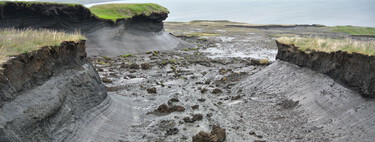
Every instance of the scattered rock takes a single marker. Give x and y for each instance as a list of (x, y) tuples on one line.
[(172, 100), (106, 80), (134, 66), (152, 90), (204, 90), (195, 107), (178, 108), (145, 66), (202, 100), (205, 137), (217, 91), (288, 104), (195, 117), (165, 109), (172, 131), (236, 97), (217, 135), (219, 132)]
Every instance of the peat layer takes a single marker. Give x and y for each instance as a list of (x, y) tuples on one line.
[(104, 37), (354, 70), (43, 90)]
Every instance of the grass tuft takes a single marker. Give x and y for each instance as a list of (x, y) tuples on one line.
[(331, 45), (14, 42), (354, 30), (125, 11), (31, 3)]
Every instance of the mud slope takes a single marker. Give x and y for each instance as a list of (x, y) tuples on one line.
[(351, 69), (320, 102), (44, 90), (104, 37)]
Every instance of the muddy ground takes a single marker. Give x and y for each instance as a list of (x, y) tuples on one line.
[(200, 94)]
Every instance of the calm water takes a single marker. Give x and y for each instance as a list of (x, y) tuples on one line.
[(327, 12)]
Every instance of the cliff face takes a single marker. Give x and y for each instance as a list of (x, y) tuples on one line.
[(44, 90), (104, 37), (355, 71)]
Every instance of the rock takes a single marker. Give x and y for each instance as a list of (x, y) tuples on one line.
[(217, 91), (204, 90), (134, 66), (195, 117), (165, 109), (145, 66), (219, 132), (202, 100), (195, 107), (178, 108), (152, 90), (236, 97), (106, 80), (288, 104), (172, 131), (205, 137), (217, 135)]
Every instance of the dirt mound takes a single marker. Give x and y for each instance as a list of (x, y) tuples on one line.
[(350, 69)]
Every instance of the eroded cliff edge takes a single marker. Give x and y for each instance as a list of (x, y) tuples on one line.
[(44, 90), (353, 70), (104, 37)]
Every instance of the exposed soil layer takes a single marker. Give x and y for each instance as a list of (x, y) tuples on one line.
[(104, 37), (44, 90), (351, 69)]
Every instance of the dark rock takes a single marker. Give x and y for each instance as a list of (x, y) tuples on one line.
[(217, 91), (236, 97), (204, 90), (145, 66), (134, 66), (202, 100), (195, 117), (288, 104), (219, 132), (195, 107), (205, 137), (172, 131), (165, 109), (106, 80), (152, 90), (178, 108)]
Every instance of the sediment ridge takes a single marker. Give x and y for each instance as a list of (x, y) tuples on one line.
[(353, 70), (43, 90)]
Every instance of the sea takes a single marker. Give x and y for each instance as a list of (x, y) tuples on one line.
[(325, 12)]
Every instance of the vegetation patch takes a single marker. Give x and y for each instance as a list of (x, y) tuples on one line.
[(125, 11), (126, 55), (330, 45), (31, 3), (354, 30), (189, 49), (14, 42), (199, 34)]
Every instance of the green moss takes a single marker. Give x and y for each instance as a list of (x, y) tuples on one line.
[(189, 49), (126, 55), (125, 11), (106, 58), (31, 3), (354, 30)]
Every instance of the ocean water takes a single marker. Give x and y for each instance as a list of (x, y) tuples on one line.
[(326, 12)]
